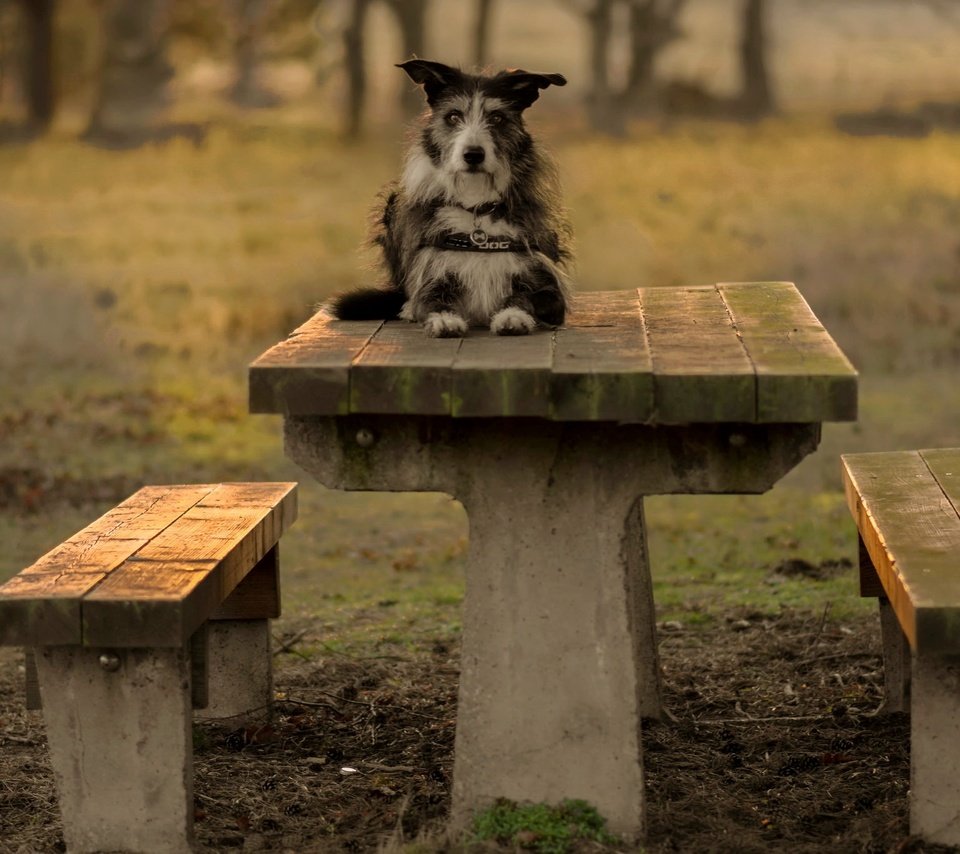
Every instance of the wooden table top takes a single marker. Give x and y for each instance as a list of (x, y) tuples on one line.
[(749, 352)]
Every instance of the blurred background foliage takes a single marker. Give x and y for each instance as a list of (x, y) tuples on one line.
[(182, 181)]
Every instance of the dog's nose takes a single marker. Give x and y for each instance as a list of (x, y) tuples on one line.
[(473, 155)]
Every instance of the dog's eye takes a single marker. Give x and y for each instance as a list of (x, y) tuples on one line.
[(496, 118), (454, 118)]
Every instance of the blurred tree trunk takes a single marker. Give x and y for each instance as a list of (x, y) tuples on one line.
[(412, 18), (135, 69), (651, 27), (756, 98), (600, 106), (481, 32), (353, 38), (250, 17), (38, 60)]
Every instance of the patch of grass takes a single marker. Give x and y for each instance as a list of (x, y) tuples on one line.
[(712, 553), (135, 288), (540, 827)]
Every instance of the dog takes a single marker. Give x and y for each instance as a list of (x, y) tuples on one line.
[(473, 233)]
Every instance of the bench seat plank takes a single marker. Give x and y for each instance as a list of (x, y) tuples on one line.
[(911, 531), (42, 603), (802, 375), (602, 369), (702, 372), (204, 555), (184, 548)]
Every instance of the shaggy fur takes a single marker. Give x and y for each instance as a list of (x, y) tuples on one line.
[(473, 233)]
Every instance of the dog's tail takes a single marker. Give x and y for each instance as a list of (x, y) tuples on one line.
[(368, 304)]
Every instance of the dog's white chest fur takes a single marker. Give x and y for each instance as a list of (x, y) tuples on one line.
[(485, 278)]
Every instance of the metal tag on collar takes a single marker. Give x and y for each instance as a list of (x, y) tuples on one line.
[(478, 237)]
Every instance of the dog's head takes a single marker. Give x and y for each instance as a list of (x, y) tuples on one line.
[(475, 125)]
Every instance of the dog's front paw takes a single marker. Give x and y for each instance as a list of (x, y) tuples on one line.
[(445, 324), (512, 321)]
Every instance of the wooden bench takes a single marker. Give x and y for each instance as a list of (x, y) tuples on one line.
[(907, 508), (160, 605)]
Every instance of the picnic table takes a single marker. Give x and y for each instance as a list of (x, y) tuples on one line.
[(550, 441)]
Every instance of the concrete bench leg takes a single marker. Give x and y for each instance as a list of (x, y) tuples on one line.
[(935, 750), (239, 669), (896, 660), (121, 746)]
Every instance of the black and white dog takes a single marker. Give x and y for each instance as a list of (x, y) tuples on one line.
[(473, 233)]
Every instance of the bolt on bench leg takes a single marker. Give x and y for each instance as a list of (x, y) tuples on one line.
[(935, 750), (121, 747)]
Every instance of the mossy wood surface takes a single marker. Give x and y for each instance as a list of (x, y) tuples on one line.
[(749, 352), (149, 571), (907, 508)]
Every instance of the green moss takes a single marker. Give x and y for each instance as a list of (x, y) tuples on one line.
[(542, 828)]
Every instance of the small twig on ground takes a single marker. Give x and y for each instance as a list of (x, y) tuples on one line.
[(310, 705), (823, 622), (16, 739), (836, 655), (771, 719), (289, 644), (388, 769)]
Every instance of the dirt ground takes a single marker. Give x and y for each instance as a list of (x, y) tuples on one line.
[(773, 746)]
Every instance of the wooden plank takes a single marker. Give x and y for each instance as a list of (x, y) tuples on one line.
[(41, 605), (912, 534), (944, 465), (802, 375), (309, 372), (161, 595), (702, 374), (498, 375), (257, 596), (602, 369), (43, 609), (402, 370)]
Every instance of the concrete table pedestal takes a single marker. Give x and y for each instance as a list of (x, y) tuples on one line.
[(559, 660)]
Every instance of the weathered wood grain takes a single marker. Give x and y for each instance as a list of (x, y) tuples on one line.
[(257, 596), (801, 373), (42, 603), (309, 372), (944, 465), (737, 353), (602, 369), (502, 376), (186, 546), (161, 595), (911, 531), (401, 370), (701, 371)]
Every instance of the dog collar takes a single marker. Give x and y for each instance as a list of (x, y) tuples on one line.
[(479, 241)]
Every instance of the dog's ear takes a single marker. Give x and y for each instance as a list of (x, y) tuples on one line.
[(521, 88), (435, 77)]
